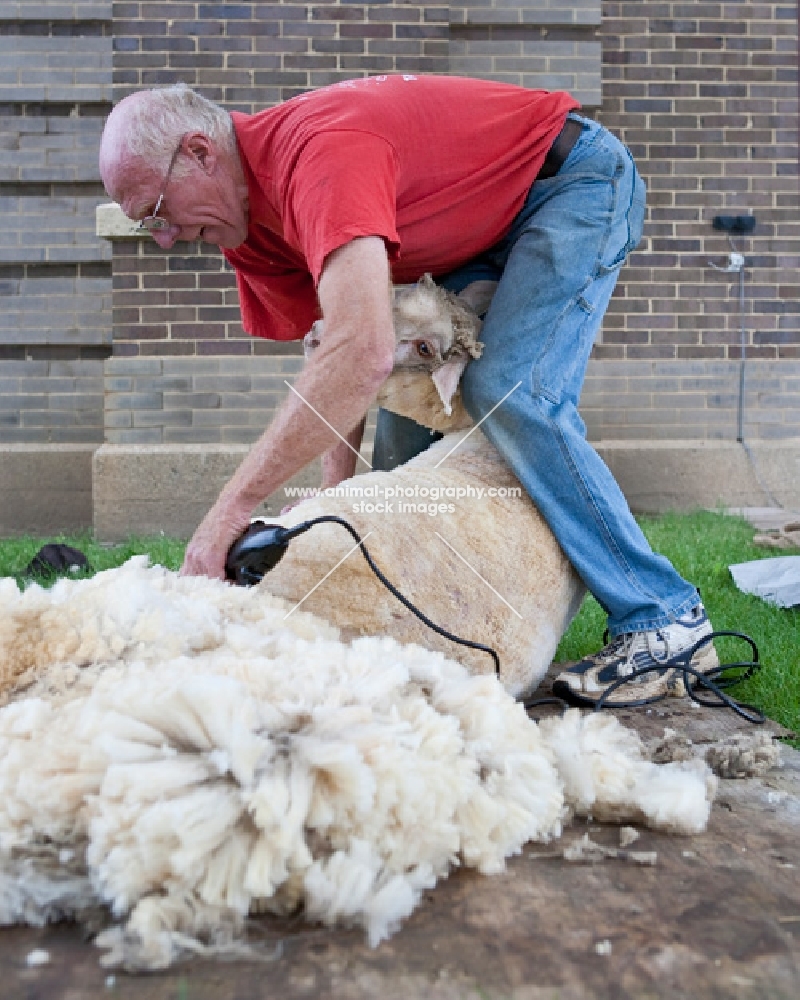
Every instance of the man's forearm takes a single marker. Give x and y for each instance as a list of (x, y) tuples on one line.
[(322, 403), (296, 436), (334, 391), (340, 461)]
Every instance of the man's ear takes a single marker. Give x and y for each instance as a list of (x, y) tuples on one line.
[(201, 149)]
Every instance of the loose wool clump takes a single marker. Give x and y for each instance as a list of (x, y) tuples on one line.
[(184, 754)]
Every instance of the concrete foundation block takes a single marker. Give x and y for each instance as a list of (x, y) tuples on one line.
[(144, 490), (126, 490), (658, 476), (45, 489)]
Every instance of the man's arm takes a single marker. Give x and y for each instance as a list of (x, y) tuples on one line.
[(335, 388), (339, 462)]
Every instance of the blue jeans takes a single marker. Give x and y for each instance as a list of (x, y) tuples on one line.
[(557, 267)]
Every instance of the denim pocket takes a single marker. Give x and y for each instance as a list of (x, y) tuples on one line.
[(626, 222)]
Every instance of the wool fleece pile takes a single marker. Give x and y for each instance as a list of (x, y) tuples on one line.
[(177, 754)]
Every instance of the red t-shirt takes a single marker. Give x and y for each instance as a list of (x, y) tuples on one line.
[(436, 166)]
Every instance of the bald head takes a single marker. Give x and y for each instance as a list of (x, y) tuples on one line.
[(142, 131), (115, 152), (173, 151)]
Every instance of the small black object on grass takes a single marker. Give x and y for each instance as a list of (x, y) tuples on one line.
[(56, 559)]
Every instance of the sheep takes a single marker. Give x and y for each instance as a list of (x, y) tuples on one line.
[(487, 568), (186, 753), (437, 334), (182, 753)]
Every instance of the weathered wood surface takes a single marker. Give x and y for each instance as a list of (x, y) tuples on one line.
[(717, 917)]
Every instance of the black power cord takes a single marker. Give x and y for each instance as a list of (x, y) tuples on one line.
[(712, 680), (262, 546)]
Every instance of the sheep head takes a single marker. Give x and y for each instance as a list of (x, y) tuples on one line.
[(436, 333), (436, 336)]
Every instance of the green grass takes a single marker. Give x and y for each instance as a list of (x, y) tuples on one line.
[(16, 553), (700, 545)]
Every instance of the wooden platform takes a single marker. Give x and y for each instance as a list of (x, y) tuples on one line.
[(717, 917)]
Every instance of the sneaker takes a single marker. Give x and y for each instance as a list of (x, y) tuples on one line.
[(663, 649)]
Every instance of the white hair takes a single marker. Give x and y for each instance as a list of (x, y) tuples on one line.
[(155, 125)]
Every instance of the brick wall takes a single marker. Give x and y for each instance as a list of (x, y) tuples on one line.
[(219, 400), (51, 401), (681, 400), (705, 96), (248, 56), (55, 274), (179, 303), (531, 43), (704, 93)]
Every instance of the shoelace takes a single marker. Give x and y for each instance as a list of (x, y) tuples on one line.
[(660, 660), (667, 651), (623, 645), (611, 650)]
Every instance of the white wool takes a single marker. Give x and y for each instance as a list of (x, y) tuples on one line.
[(260, 764), (607, 776)]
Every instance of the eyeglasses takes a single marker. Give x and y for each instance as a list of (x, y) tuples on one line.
[(155, 223)]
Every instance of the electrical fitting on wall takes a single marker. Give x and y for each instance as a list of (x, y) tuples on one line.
[(735, 263), (740, 225)]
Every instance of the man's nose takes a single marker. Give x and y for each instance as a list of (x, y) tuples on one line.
[(166, 237)]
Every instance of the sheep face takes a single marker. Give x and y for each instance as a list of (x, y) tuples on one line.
[(423, 326), (436, 332)]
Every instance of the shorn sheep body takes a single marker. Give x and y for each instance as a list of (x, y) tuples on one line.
[(179, 753), (486, 568)]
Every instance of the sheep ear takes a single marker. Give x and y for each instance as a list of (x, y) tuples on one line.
[(447, 377), (426, 281), (478, 295)]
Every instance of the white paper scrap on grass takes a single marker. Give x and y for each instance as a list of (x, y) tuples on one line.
[(776, 581)]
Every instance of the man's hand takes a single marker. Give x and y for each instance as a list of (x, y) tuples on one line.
[(208, 548)]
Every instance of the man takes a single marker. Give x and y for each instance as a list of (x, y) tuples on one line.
[(318, 202)]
